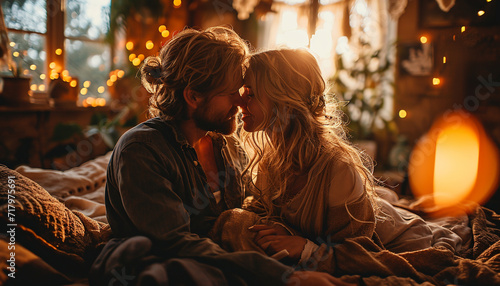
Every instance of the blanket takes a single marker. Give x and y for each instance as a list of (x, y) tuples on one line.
[(357, 260), (362, 261)]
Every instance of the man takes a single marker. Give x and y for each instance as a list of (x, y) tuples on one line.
[(170, 177)]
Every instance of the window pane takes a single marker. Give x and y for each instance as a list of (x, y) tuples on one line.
[(87, 18), (89, 61), (27, 15), (28, 53)]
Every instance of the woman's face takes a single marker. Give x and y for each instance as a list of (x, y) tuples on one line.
[(253, 110)]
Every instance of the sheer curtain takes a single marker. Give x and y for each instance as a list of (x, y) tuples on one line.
[(341, 27), (336, 19)]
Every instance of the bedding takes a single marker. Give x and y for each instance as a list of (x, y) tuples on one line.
[(61, 228)]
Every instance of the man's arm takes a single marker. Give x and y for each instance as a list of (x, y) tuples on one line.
[(157, 211)]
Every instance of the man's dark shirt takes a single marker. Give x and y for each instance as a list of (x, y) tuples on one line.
[(157, 188)]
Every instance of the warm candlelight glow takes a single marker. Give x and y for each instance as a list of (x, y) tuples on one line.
[(444, 60), (456, 162), (131, 57), (73, 83), (463, 29), (59, 52), (165, 33), (423, 39), (65, 73), (402, 113), (52, 65), (162, 28), (33, 67), (149, 45), (136, 62), (436, 81), (480, 13), (177, 3)]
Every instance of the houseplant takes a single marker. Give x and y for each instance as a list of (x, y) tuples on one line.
[(14, 89), (363, 83)]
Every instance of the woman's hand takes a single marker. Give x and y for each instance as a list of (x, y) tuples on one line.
[(274, 238)]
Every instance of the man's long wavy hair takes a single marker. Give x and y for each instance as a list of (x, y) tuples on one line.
[(302, 135), (199, 60)]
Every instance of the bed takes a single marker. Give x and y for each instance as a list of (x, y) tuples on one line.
[(54, 226)]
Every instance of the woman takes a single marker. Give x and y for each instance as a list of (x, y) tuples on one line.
[(308, 180), (305, 171)]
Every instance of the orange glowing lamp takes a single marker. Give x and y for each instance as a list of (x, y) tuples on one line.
[(455, 163)]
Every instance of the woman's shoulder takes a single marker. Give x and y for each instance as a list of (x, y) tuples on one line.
[(346, 184)]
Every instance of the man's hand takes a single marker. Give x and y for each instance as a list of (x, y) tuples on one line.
[(312, 278), (274, 238)]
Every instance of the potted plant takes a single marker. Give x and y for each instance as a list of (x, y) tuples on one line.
[(14, 89), (363, 84)]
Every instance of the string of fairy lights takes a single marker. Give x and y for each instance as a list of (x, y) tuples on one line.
[(436, 80), (56, 72)]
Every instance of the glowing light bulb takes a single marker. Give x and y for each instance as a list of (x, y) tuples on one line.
[(136, 62), (402, 113), (162, 28), (15, 54), (165, 33), (149, 45), (120, 73), (444, 60), (436, 81), (73, 83), (463, 29), (86, 83), (12, 44), (480, 13), (131, 57), (58, 52), (101, 89), (33, 67), (83, 91), (423, 39), (52, 65), (177, 3), (42, 76), (129, 46)]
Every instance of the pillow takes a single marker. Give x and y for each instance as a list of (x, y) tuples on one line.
[(67, 240), (80, 180)]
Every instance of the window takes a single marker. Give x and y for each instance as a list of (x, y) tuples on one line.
[(61, 38)]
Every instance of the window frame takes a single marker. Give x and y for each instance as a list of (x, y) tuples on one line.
[(55, 39)]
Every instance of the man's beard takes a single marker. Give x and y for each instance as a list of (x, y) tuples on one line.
[(217, 123)]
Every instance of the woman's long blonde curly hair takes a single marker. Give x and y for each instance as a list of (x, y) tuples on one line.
[(302, 134)]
